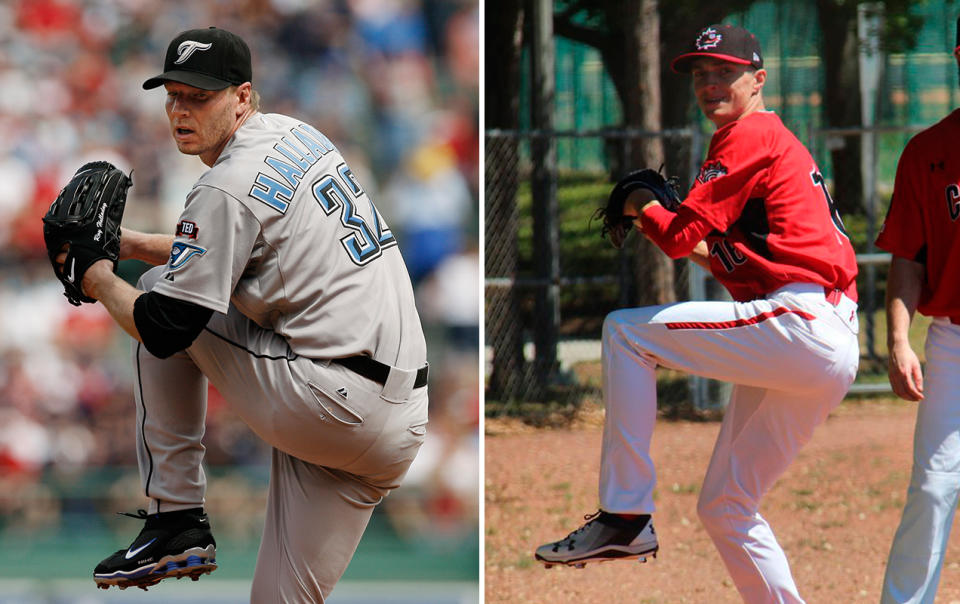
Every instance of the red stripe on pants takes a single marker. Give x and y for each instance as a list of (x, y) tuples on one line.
[(739, 322)]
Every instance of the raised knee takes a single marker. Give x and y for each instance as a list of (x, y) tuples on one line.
[(610, 322), (149, 278), (613, 324)]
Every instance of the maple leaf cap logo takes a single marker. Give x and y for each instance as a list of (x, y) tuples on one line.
[(709, 38)]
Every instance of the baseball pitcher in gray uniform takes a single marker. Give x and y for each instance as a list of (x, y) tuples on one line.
[(284, 287)]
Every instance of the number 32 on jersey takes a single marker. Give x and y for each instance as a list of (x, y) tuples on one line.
[(365, 240)]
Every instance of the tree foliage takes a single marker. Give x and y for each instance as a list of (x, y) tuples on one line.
[(602, 25)]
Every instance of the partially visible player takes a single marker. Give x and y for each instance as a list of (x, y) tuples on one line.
[(760, 217), (284, 287), (922, 231)]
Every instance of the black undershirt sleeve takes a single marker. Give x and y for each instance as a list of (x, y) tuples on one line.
[(167, 325), (921, 256)]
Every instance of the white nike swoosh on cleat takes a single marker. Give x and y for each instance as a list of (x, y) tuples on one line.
[(133, 552)]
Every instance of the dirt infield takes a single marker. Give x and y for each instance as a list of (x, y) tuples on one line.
[(834, 511)]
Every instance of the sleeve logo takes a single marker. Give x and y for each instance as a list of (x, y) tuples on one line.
[(181, 253), (711, 170), (187, 229)]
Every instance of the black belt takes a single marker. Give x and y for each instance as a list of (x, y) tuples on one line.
[(377, 371)]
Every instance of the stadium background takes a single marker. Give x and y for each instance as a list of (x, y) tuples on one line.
[(394, 84)]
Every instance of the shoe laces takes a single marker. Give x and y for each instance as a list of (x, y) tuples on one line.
[(569, 539), (589, 519)]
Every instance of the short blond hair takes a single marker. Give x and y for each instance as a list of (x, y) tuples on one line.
[(254, 96)]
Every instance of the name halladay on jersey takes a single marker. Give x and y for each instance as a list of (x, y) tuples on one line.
[(310, 146)]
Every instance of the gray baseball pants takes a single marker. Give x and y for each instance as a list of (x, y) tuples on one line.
[(341, 442)]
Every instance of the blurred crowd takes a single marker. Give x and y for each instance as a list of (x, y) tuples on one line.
[(393, 83)]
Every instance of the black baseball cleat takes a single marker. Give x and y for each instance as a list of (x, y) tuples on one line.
[(604, 537), (172, 544)]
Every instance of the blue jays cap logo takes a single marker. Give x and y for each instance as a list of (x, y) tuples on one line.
[(187, 48), (709, 38)]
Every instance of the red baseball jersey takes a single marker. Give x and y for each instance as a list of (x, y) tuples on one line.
[(773, 220), (923, 221)]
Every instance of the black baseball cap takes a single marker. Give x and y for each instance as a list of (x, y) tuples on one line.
[(724, 42), (211, 59)]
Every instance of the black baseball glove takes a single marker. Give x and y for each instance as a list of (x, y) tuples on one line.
[(618, 225), (84, 222)]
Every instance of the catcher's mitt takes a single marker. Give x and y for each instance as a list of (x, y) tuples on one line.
[(84, 222), (615, 223)]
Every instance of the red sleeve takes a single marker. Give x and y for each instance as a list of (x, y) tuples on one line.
[(734, 171), (675, 234), (902, 233)]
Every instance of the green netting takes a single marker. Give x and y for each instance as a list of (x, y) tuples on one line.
[(919, 87)]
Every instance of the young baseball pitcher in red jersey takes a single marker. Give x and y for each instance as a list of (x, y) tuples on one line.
[(923, 234), (761, 219)]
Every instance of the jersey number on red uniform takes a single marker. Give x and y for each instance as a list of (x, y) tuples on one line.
[(728, 255), (820, 181), (953, 201)]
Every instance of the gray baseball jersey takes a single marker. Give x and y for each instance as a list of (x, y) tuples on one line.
[(280, 240), (280, 227)]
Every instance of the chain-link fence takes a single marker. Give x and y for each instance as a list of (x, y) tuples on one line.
[(863, 162), (544, 314), (550, 278)]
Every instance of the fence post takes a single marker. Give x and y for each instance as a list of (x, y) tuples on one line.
[(869, 30), (546, 241)]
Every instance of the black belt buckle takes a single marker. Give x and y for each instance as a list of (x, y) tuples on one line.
[(377, 371)]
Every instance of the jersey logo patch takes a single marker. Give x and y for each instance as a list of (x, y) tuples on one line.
[(183, 253), (711, 170), (709, 38), (187, 229)]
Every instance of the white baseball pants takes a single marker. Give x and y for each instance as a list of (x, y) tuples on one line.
[(791, 358), (340, 444), (916, 556)]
